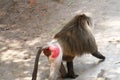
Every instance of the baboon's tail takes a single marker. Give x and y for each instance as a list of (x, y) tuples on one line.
[(34, 74)]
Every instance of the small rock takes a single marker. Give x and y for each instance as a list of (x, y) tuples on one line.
[(4, 29), (101, 74)]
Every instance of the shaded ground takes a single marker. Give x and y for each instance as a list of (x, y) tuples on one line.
[(23, 29)]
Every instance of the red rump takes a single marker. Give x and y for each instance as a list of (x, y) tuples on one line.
[(54, 51)]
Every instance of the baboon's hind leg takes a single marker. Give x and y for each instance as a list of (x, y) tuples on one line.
[(70, 69), (63, 71)]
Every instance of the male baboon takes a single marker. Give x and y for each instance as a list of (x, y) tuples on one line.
[(75, 39)]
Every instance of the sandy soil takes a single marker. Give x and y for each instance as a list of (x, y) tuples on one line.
[(23, 29)]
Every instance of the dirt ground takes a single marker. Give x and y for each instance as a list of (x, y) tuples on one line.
[(23, 29)]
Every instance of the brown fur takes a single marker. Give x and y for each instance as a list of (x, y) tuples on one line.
[(76, 37)]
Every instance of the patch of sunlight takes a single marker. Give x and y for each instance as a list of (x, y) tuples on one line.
[(27, 64), (89, 62), (118, 45), (26, 78), (2, 25), (26, 72), (8, 55), (18, 60), (105, 38), (14, 43), (3, 48), (33, 42), (116, 70), (10, 43), (12, 55), (113, 23), (44, 68)]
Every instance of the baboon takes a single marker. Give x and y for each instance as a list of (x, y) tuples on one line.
[(75, 39)]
